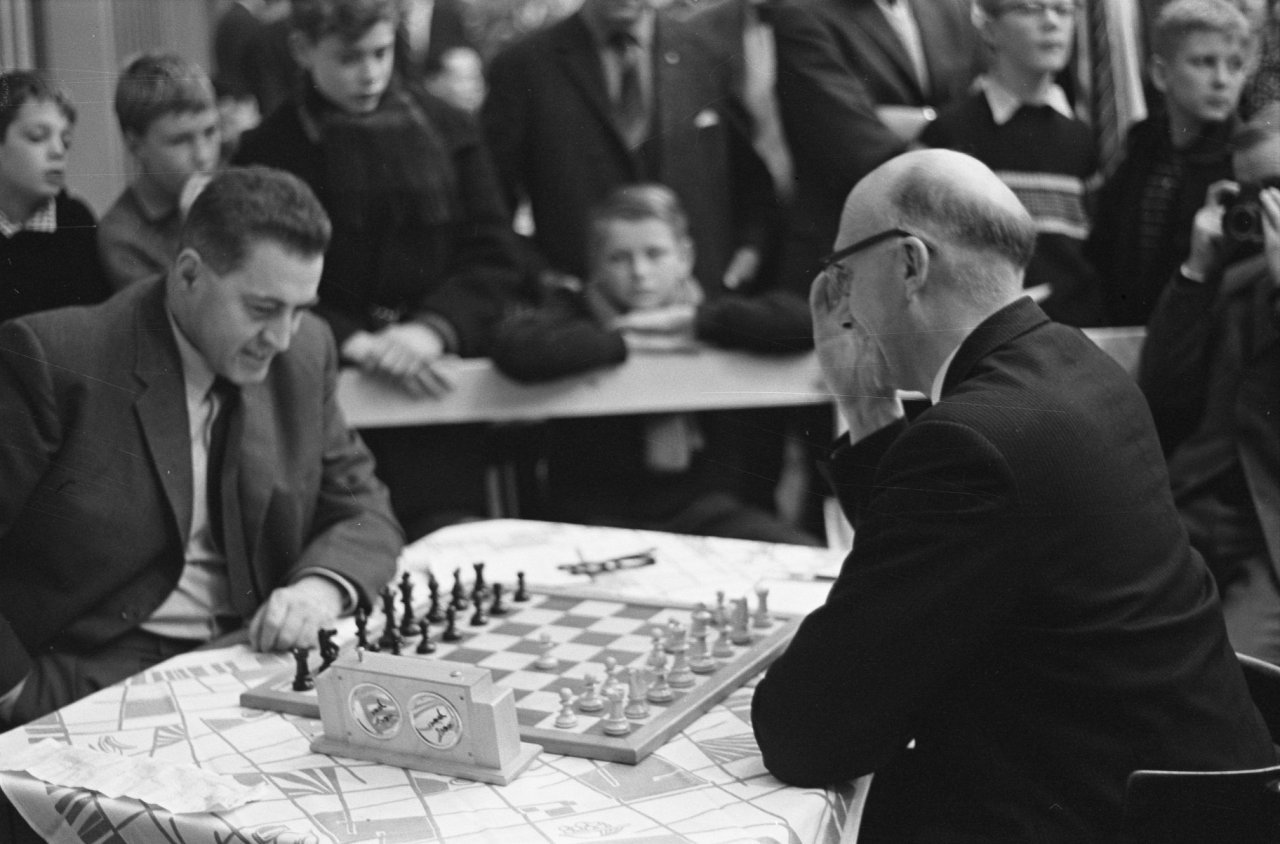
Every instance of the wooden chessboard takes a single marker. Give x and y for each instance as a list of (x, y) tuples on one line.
[(586, 631)]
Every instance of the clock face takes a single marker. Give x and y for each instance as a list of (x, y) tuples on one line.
[(436, 720), (375, 710)]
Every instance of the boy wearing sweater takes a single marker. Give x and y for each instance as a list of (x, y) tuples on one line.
[(673, 472), (165, 106), (1021, 126)]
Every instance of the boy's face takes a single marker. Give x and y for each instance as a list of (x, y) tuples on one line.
[(1201, 83), (175, 147), (640, 263), (33, 153), (350, 74), (1034, 37)]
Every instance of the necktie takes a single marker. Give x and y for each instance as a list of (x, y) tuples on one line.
[(225, 527), (629, 113)]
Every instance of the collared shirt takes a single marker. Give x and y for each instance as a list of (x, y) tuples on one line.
[(935, 390), (899, 15), (43, 221), (612, 62), (203, 590), (1004, 103)]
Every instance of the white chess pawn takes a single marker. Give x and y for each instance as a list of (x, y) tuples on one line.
[(616, 723), (566, 719), (590, 701), (722, 649), (546, 661), (610, 676), (637, 706), (659, 691), (761, 620), (681, 677), (700, 662), (741, 634)]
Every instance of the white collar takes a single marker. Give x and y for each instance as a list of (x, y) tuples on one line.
[(44, 220), (1005, 104), (935, 391), (196, 373)]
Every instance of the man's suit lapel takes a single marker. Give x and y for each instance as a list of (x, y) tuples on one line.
[(867, 18), (161, 406), (576, 54), (1005, 324)]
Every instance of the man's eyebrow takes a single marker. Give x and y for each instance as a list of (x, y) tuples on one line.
[(272, 301)]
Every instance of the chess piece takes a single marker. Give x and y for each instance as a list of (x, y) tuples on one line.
[(479, 618), (522, 594), (719, 616), (700, 620), (700, 661), (425, 645), (610, 675), (741, 634), (680, 677), (761, 619), (658, 655), (546, 661), (567, 717), (397, 642), (459, 592), (328, 648), (659, 691), (616, 723), (450, 633), (435, 614), (722, 649), (389, 626), (589, 701), (480, 587), (302, 679), (637, 707), (362, 630), (408, 624), (499, 606), (672, 633)]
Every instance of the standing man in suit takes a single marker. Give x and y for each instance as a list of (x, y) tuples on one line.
[(857, 81), (619, 93), (1021, 622), (174, 462)]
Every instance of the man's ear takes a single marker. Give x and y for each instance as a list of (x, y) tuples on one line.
[(1159, 73), (188, 264), (131, 141), (915, 265)]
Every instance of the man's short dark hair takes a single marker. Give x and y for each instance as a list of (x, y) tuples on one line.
[(19, 87), (246, 205), (153, 85), (348, 19)]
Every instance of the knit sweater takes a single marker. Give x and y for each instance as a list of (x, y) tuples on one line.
[(40, 271)]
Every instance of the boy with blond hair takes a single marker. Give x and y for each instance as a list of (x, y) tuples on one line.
[(1202, 52), (169, 119)]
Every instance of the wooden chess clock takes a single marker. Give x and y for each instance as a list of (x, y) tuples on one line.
[(430, 715)]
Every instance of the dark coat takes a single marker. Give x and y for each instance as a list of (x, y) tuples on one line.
[(1020, 600), (96, 501), (40, 271), (547, 120)]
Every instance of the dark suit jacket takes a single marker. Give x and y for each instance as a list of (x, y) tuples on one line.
[(1020, 600), (837, 61), (95, 507), (1211, 371), (547, 121)]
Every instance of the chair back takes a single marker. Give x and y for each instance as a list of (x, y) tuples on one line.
[(1170, 807)]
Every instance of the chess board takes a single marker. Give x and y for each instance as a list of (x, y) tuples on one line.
[(586, 631)]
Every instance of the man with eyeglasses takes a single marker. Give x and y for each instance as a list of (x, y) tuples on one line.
[(1021, 622)]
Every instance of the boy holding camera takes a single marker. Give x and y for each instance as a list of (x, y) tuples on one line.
[(1201, 57), (1211, 373)]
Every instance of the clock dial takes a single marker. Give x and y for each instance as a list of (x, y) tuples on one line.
[(375, 710), (436, 720)]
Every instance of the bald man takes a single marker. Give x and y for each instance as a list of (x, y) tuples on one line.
[(1021, 622)]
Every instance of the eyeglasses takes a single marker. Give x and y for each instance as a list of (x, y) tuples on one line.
[(833, 260), (1037, 8)]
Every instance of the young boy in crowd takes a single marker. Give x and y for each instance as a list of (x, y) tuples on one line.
[(662, 471), (1020, 124), (48, 256), (422, 262), (1201, 57), (169, 120)]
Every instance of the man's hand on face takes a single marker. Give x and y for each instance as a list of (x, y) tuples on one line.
[(852, 362), (1206, 255), (292, 614)]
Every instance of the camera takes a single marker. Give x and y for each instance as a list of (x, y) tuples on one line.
[(1242, 216)]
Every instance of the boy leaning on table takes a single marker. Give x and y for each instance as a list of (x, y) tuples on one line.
[(124, 539)]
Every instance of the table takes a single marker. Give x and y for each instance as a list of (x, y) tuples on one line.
[(706, 785)]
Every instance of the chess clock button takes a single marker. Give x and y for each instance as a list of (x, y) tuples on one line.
[(375, 710), (436, 720)]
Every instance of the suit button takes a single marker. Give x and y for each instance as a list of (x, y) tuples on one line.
[(124, 614)]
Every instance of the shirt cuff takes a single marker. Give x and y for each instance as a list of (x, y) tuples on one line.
[(10, 698), (349, 595), (1190, 274)]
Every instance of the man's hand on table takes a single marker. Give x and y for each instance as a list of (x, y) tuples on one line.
[(292, 614)]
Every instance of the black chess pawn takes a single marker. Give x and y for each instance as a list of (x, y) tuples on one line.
[(425, 645), (499, 605), (522, 594), (459, 592), (479, 618), (480, 585), (362, 630), (408, 624), (302, 679), (435, 613), (389, 625), (450, 633), (328, 648)]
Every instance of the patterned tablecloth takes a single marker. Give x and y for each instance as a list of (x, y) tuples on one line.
[(705, 785)]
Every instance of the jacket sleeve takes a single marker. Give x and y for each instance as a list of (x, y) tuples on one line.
[(30, 434), (1173, 370), (927, 579), (557, 339), (353, 532), (776, 322)]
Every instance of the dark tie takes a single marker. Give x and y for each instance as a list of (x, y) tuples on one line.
[(629, 113), (225, 526)]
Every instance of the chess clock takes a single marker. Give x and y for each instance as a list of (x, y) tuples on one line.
[(430, 715)]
